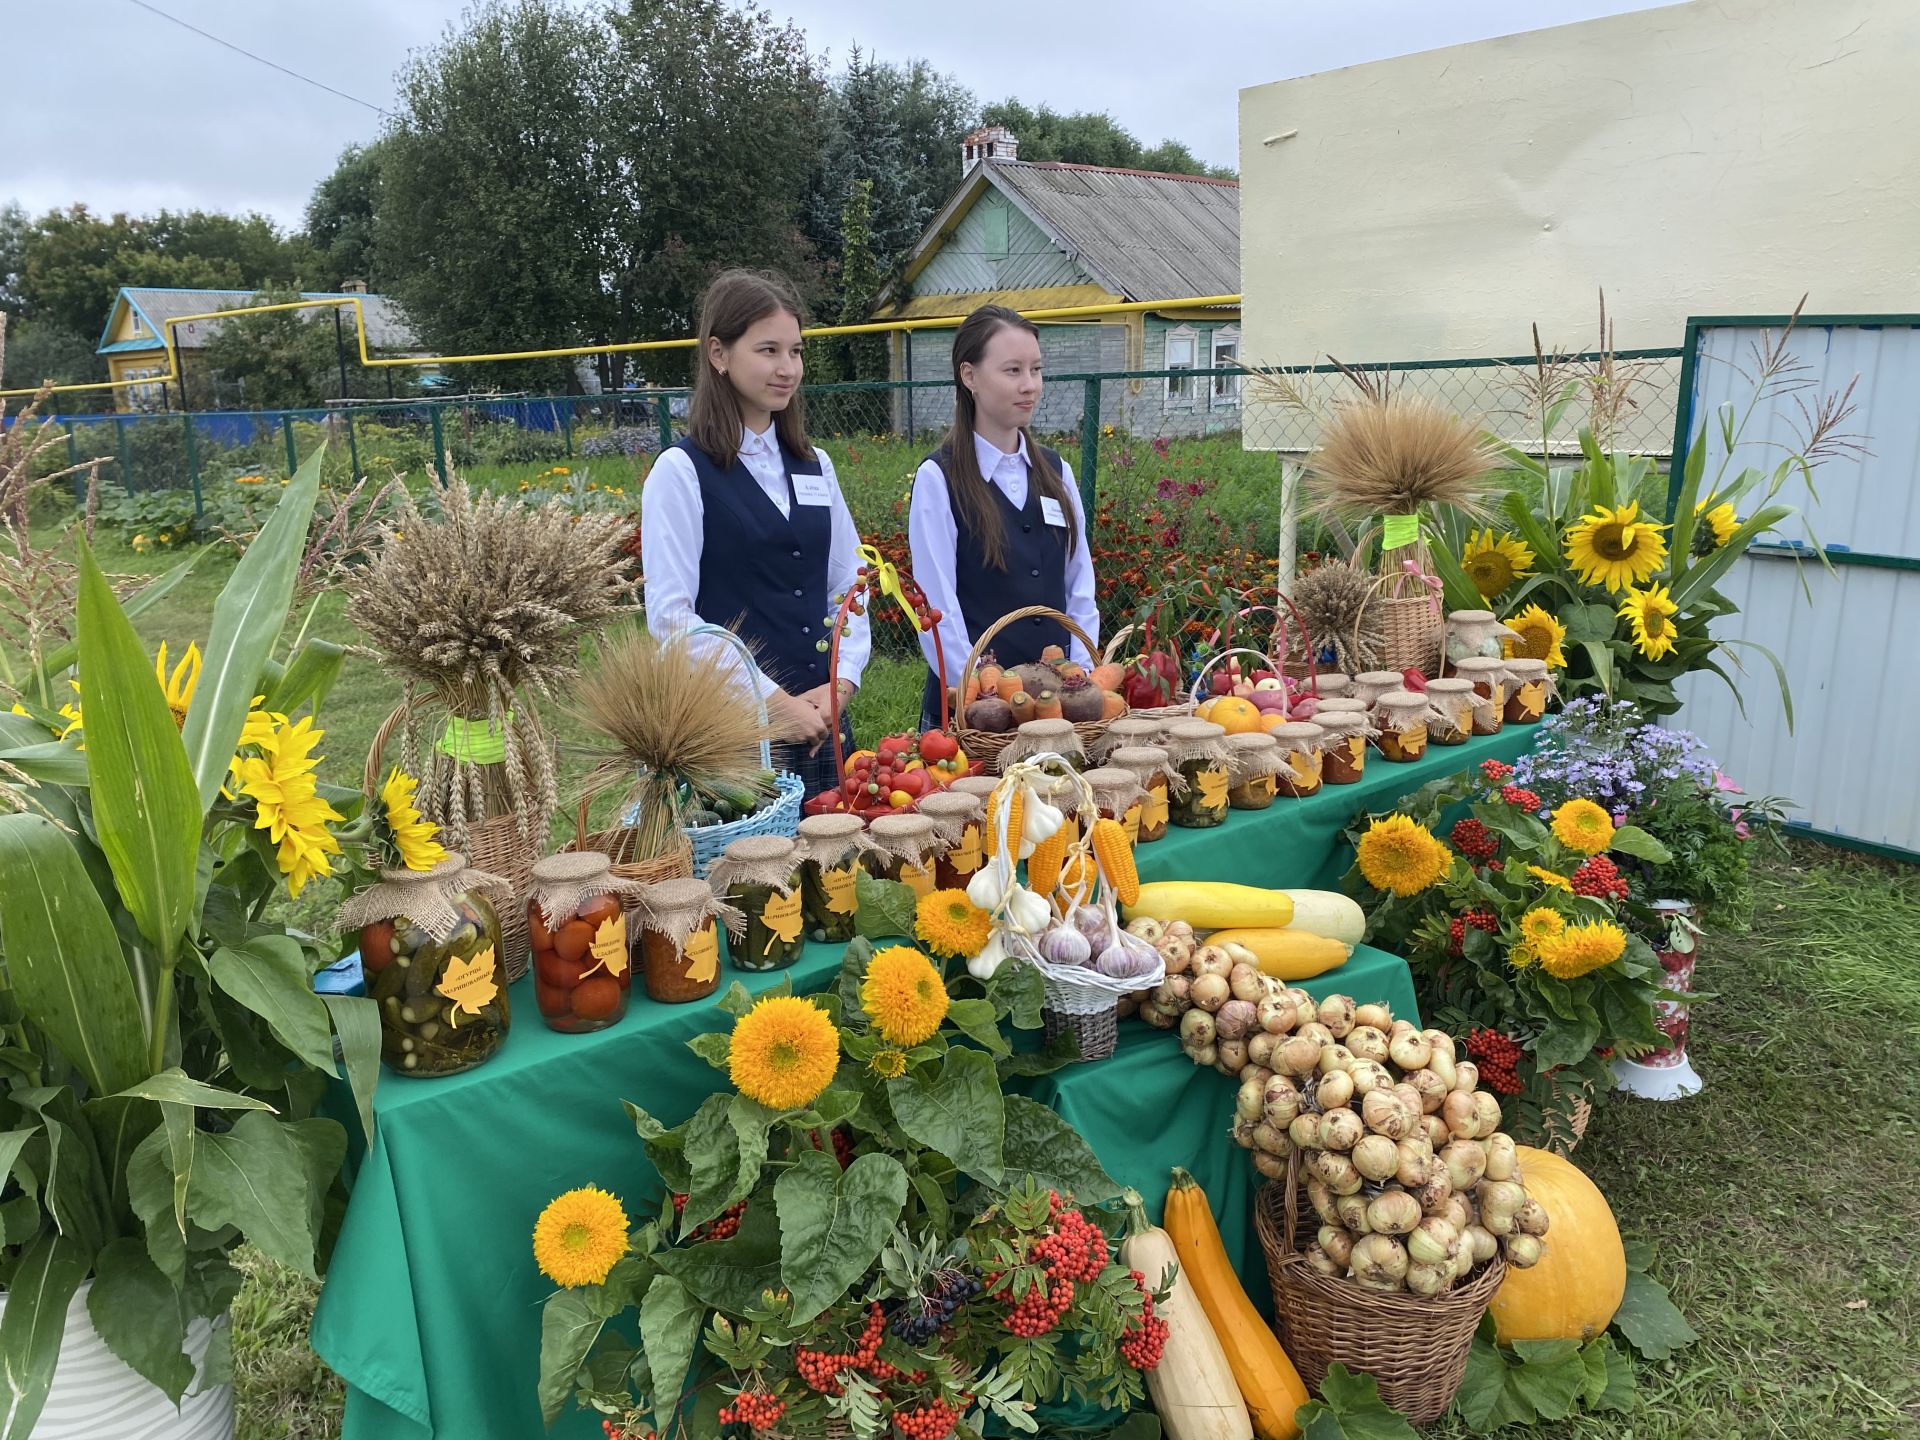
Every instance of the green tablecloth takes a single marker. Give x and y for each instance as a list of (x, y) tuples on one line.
[(431, 1311)]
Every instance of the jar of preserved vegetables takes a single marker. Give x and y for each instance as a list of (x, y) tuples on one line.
[(679, 942), (905, 848), (958, 819), (1156, 775), (577, 925), (1198, 751), (830, 849), (759, 876), (1253, 762)]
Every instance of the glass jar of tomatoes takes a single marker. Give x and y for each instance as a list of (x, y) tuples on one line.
[(679, 943), (829, 848), (577, 926), (759, 876)]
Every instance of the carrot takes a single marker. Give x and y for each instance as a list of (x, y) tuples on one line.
[(1109, 676), (1116, 707), (1022, 705), (1009, 686), (1046, 705), (988, 676)]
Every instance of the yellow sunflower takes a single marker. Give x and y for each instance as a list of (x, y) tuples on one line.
[(1399, 855), (1650, 612), (784, 1052), (1538, 926), (888, 1064), (287, 802), (1550, 879), (412, 836), (179, 687), (1582, 825), (1720, 521), (1540, 637), (579, 1237), (1614, 547), (904, 995), (1581, 948), (1493, 564), (1521, 956), (951, 925)]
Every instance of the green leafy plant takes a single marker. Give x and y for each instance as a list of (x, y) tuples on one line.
[(164, 1051), (1350, 1408)]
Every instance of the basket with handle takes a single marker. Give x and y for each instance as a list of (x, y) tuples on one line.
[(1278, 653), (987, 745), (901, 584), (1414, 1346), (496, 844), (1412, 619), (617, 845)]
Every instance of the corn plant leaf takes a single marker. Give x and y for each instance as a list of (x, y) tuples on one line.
[(63, 957), (38, 1293), (50, 762), (147, 814), (309, 676), (175, 1087), (60, 657), (247, 619), (356, 1021)]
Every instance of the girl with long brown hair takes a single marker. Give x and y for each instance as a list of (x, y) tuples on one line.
[(743, 523), (995, 522)]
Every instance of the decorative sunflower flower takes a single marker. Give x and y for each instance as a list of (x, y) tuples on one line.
[(580, 1236), (1521, 956), (904, 994), (951, 925), (1540, 637), (784, 1052), (1402, 856), (1614, 547), (888, 1064), (1717, 525), (1582, 825), (1494, 564), (1551, 880), (1538, 926), (413, 837), (1650, 612), (287, 804), (1581, 948)]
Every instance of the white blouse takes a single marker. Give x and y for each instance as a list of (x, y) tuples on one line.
[(934, 539), (671, 535)]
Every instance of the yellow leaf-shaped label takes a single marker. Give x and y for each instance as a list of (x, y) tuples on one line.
[(1156, 810), (917, 878), (609, 947), (1306, 769), (1213, 787), (1130, 822), (1267, 785), (703, 954), (782, 919), (1414, 741), (965, 857), (1357, 750), (839, 885), (469, 984)]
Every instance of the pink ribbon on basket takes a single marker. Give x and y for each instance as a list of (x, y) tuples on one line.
[(1432, 582)]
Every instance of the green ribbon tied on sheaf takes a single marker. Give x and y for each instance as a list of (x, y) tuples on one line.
[(1399, 531), (478, 742)]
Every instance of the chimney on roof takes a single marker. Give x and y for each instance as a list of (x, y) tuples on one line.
[(990, 142), (353, 285)]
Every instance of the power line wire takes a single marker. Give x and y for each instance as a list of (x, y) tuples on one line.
[(259, 59)]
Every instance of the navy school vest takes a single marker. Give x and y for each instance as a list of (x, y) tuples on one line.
[(1036, 572), (764, 575)]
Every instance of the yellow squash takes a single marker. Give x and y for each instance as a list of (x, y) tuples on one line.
[(1268, 1382), (1288, 954), (1194, 1390), (1212, 904), (1582, 1275)]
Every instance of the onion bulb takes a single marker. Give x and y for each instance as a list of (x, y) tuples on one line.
[(1280, 1100), (1501, 1158), (1466, 1076), (1457, 1213), (1433, 1195), (1340, 1129), (1273, 1141), (1304, 1131), (1501, 1224), (1334, 1090), (1385, 1114), (1232, 1056), (1393, 1212), (1210, 992), (1431, 1089), (1274, 1014), (1379, 1260), (1298, 1055), (1367, 1043), (1207, 1056), (1368, 1076), (1197, 1028), (1440, 1040), (1499, 1197), (1338, 1172), (1147, 928), (1235, 1019), (1429, 1279), (1303, 1002), (1313, 1030), (1414, 1161), (1409, 1051), (1337, 1243), (1402, 1027), (1271, 1166), (1523, 1251), (1323, 1264), (1351, 1211), (1433, 1241), (1321, 1199), (1242, 1133), (1244, 981), (1212, 960), (1485, 1245), (1336, 1013), (1436, 1131), (1248, 1104), (1377, 1016), (1531, 1218), (1376, 1157), (1457, 1111), (1443, 1066), (1466, 1162), (1260, 1047), (1334, 1057), (1486, 1112)]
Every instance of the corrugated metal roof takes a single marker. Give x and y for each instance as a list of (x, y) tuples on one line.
[(1148, 236), (385, 328), (1042, 297)]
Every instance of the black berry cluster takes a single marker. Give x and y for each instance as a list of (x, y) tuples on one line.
[(920, 1319)]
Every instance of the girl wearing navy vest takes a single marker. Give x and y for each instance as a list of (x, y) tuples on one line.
[(995, 522), (743, 523)]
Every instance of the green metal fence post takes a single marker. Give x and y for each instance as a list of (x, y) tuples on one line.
[(286, 432), (353, 449), (439, 446), (79, 481), (1089, 447), (663, 412), (566, 426), (193, 466), (120, 449)]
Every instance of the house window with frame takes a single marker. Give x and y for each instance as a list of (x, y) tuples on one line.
[(1225, 347), (1183, 353)]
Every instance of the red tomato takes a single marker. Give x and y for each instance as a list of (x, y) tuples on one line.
[(537, 930), (552, 1002), (914, 782), (560, 974), (597, 911), (938, 745), (596, 997), (376, 945), (570, 942)]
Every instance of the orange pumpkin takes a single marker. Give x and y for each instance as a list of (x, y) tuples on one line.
[(1234, 715), (1573, 1292)]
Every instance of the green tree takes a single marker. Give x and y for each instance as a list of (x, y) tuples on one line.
[(341, 218), (864, 357), (282, 361), (39, 351), (1089, 138)]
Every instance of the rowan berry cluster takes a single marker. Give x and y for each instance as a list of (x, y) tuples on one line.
[(1142, 1344), (929, 1420), (1523, 799), (1600, 878), (1475, 841), (723, 1226), (1479, 919), (821, 1368), (755, 1409), (1498, 772), (616, 1430), (1498, 1057), (842, 1145)]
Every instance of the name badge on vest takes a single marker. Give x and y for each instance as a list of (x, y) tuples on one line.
[(812, 489), (1051, 512)]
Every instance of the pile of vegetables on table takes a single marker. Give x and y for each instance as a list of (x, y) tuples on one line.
[(1053, 687), (894, 776)]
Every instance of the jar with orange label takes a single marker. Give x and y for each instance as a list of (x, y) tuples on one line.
[(1529, 687), (829, 848), (1343, 751), (904, 848), (679, 942), (1450, 711), (1401, 718), (1116, 790), (1197, 750), (1151, 768), (577, 923), (1370, 685), (1128, 732), (1489, 680), (1299, 743), (759, 876), (1253, 763), (959, 819)]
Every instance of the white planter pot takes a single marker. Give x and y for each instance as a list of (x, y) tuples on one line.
[(95, 1395)]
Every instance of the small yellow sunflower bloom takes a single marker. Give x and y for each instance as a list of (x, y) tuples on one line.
[(1539, 925), (1494, 563), (951, 925), (287, 803), (580, 1236), (784, 1052), (1551, 880), (1614, 547), (1540, 637), (904, 995), (1521, 956), (1650, 612), (1583, 948), (888, 1064), (1582, 825), (1719, 519), (1402, 856), (179, 687), (412, 836)]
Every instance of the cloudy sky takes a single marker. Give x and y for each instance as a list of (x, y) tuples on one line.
[(108, 103)]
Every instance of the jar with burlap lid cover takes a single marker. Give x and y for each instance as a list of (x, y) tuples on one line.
[(1126, 732), (959, 819), (1327, 684), (1529, 688), (905, 848), (981, 787), (1254, 763), (1474, 634), (430, 946), (582, 953), (1158, 780), (1489, 680), (679, 941), (1450, 715), (1299, 742), (1370, 685), (759, 876), (1401, 718), (1119, 795), (1198, 750), (830, 847), (1343, 750), (1045, 737), (1342, 705)]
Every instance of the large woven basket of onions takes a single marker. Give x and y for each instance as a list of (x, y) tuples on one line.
[(1414, 1346)]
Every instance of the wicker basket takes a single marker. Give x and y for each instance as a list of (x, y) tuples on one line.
[(495, 844), (617, 845), (988, 746), (1179, 710), (1096, 1032), (1414, 1346)]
